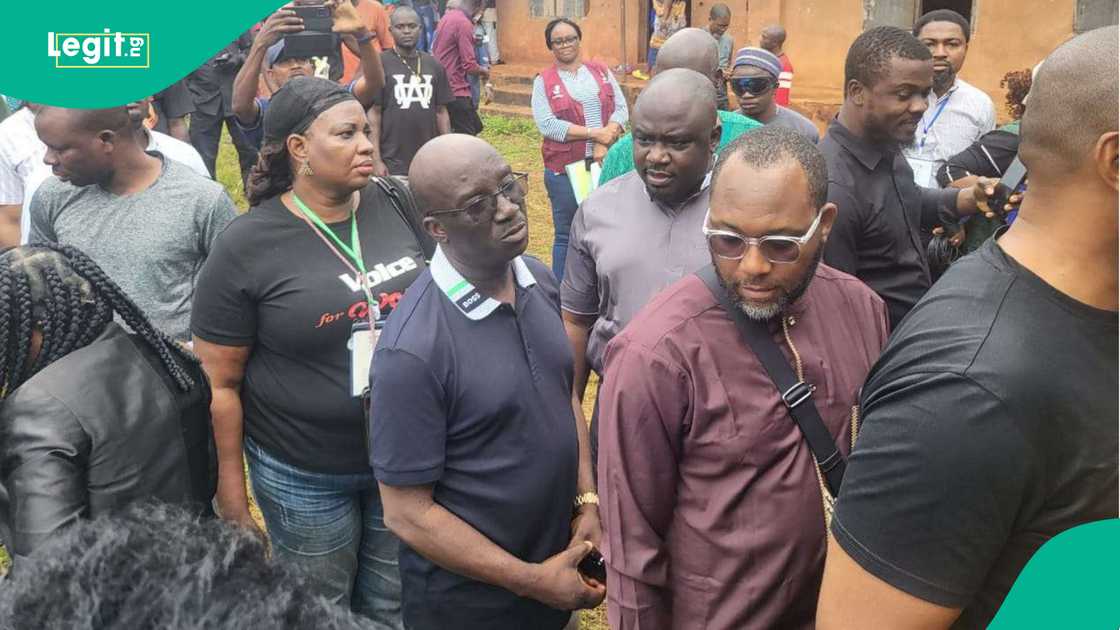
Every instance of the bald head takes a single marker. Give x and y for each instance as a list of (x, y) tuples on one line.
[(446, 168), (692, 49), (686, 92), (1073, 102), (676, 130), (773, 38), (719, 11)]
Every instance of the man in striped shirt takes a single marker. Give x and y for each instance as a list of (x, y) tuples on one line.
[(958, 113)]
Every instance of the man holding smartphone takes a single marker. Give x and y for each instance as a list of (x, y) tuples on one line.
[(280, 64), (483, 467)]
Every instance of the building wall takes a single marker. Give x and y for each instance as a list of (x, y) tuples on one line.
[(1007, 35), (521, 37), (1013, 35)]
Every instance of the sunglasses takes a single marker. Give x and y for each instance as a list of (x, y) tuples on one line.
[(752, 85), (777, 249)]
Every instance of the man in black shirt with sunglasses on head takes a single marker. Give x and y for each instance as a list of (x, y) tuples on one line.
[(754, 81)]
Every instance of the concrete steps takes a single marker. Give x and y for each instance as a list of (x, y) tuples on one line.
[(509, 111)]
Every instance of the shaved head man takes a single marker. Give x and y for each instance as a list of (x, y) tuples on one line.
[(482, 463), (676, 132), (773, 38), (692, 49), (968, 463), (611, 270)]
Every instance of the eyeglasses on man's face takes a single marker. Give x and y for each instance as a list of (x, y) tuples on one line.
[(752, 85), (779, 249), (514, 188)]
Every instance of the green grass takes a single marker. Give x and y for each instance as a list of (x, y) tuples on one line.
[(518, 141)]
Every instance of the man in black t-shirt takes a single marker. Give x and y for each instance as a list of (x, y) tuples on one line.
[(412, 107), (990, 422)]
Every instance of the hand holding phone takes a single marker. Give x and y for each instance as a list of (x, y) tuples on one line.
[(593, 567)]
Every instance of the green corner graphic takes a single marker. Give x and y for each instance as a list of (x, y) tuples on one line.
[(1069, 584), (159, 44)]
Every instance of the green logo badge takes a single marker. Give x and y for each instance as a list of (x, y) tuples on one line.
[(100, 50)]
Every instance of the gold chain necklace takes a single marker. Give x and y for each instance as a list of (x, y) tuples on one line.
[(827, 501), (401, 57)]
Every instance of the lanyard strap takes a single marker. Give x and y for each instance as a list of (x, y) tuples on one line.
[(358, 268), (936, 115)]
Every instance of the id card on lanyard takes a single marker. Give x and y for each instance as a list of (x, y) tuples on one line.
[(363, 335), (925, 170)]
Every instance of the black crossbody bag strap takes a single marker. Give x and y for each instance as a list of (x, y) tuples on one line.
[(797, 394), (401, 198)]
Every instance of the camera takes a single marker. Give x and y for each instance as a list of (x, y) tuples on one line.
[(316, 39)]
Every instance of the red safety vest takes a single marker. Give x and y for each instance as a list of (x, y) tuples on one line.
[(559, 154)]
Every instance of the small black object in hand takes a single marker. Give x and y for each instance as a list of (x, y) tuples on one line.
[(593, 567)]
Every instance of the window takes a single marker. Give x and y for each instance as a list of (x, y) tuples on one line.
[(903, 13), (557, 8), (1091, 14), (964, 7), (898, 13)]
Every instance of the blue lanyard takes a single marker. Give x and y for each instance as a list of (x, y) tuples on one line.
[(936, 115)]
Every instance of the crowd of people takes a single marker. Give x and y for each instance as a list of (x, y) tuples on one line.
[(803, 420)]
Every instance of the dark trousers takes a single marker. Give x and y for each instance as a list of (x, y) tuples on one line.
[(464, 118), (564, 208), (206, 136)]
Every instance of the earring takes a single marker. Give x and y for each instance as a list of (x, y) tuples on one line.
[(305, 169)]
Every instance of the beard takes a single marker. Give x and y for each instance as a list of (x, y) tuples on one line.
[(942, 81), (770, 310)]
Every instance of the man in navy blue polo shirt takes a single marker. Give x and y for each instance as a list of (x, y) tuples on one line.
[(484, 471)]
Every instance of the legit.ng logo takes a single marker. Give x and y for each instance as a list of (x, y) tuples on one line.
[(100, 50)]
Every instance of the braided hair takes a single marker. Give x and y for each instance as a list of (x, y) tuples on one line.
[(62, 293)]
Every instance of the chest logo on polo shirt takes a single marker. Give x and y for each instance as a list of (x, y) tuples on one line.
[(381, 272), (418, 89)]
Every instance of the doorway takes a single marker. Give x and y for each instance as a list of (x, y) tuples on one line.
[(964, 7), (646, 25)]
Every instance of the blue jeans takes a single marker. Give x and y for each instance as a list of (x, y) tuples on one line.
[(428, 21), (564, 208), (474, 80), (331, 526)]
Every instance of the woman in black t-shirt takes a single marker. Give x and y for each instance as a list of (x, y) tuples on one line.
[(323, 248)]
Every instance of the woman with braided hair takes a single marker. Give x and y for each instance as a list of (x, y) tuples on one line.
[(92, 417)]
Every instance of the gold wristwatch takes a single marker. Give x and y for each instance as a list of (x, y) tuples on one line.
[(587, 498)]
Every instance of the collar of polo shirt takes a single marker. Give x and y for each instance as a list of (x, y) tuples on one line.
[(463, 294)]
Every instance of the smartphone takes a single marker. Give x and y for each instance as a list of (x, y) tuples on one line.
[(593, 567), (1009, 184), (316, 17)]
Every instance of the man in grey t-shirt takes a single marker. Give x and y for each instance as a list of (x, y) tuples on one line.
[(146, 220), (754, 80)]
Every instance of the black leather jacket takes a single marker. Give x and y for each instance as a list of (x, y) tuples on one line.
[(100, 428)]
